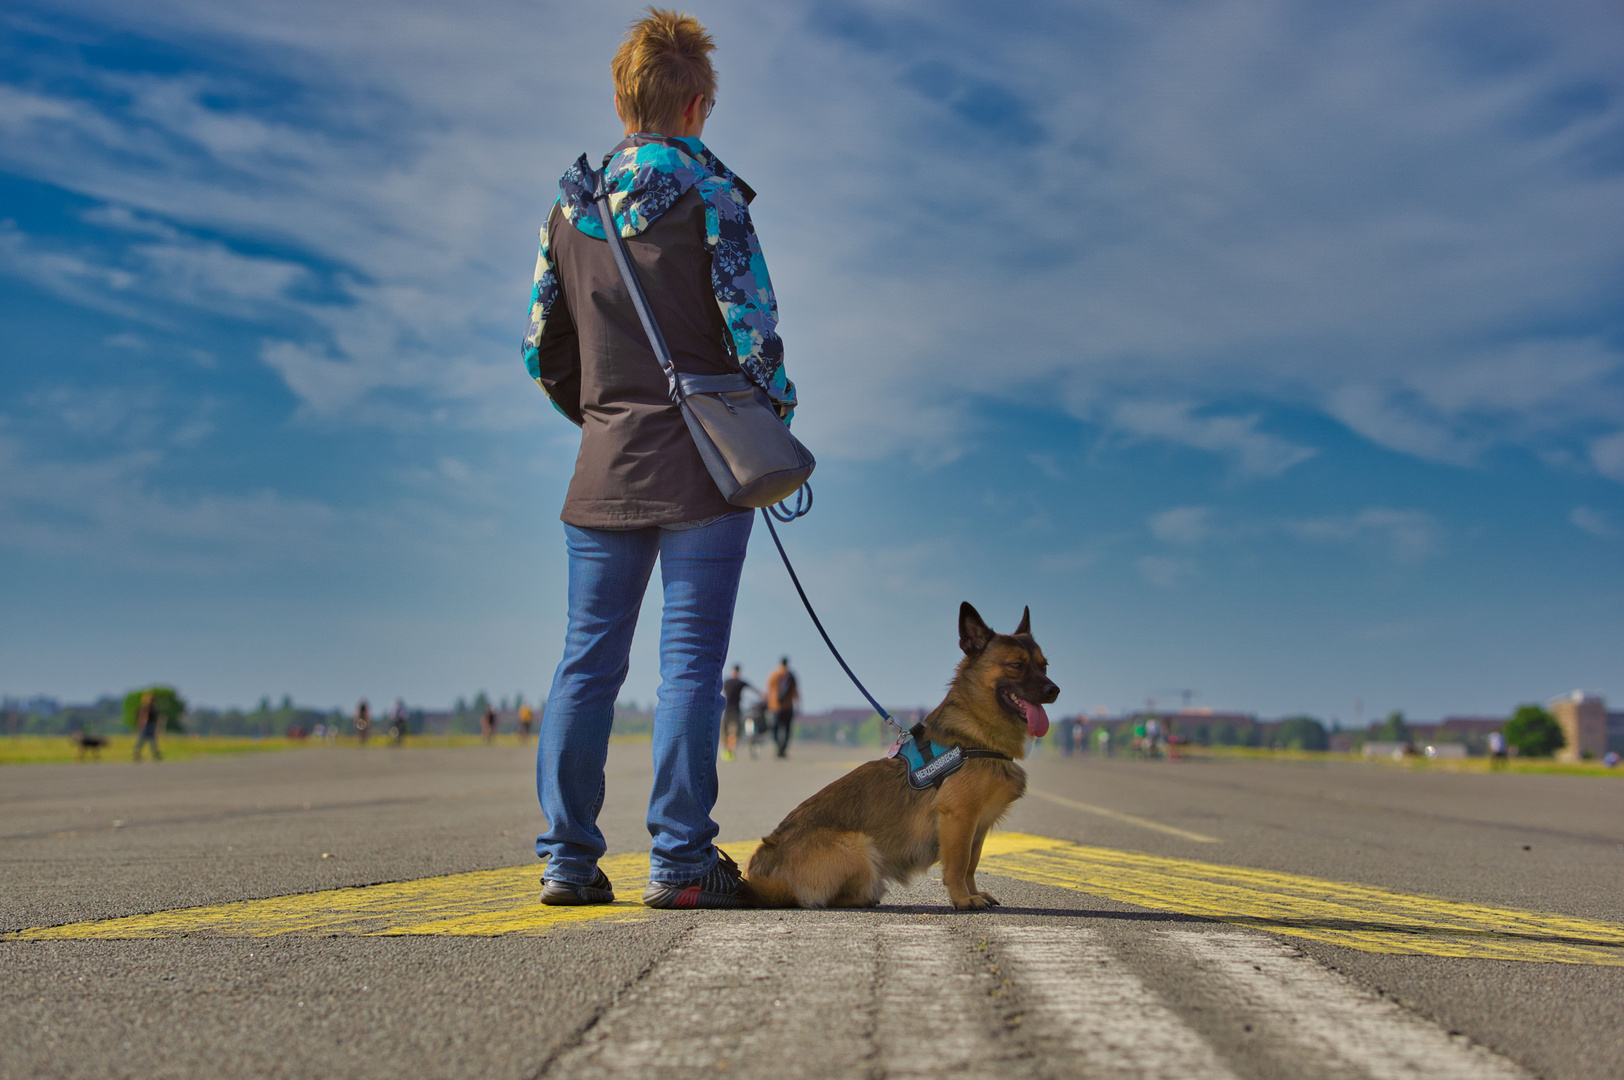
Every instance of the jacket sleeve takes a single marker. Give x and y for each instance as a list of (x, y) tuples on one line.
[(744, 292), (552, 352)]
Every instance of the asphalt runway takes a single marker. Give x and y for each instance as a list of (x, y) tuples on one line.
[(1160, 919)]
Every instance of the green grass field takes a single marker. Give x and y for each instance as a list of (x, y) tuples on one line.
[(59, 749), (56, 749)]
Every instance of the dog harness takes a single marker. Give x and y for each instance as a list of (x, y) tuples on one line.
[(929, 763)]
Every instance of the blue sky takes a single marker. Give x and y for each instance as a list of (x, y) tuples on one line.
[(1269, 350)]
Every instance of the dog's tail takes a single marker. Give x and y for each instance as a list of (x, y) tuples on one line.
[(764, 887), (770, 892)]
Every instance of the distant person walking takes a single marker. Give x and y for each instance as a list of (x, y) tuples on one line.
[(363, 721), (527, 720), (398, 718), (783, 691), (732, 718), (487, 724), (147, 721), (641, 493)]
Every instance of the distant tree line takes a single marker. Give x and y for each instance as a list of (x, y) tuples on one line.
[(266, 720)]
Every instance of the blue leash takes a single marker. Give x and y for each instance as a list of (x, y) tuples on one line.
[(786, 513)]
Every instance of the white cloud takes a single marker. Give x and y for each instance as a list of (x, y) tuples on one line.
[(1405, 536), (1528, 376), (177, 269), (1250, 451), (1607, 454), (1387, 420), (1595, 523), (1451, 409), (1187, 525), (108, 510), (1165, 571)]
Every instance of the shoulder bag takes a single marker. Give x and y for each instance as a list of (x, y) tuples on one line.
[(747, 449)]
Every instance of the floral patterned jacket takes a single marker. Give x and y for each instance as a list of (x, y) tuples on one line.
[(645, 179)]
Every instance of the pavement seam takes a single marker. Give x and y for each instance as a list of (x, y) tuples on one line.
[(580, 1034)]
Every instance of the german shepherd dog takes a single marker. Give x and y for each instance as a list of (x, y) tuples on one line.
[(844, 845)]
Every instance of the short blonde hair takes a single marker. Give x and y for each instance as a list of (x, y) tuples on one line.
[(663, 62)]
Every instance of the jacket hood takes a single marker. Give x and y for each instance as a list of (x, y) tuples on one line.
[(645, 175)]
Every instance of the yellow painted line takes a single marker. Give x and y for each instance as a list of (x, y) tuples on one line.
[(493, 902), (1126, 819), (480, 904), (1362, 917)]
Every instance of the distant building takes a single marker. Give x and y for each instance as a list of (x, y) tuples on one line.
[(1584, 721)]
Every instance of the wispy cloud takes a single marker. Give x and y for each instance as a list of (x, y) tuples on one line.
[(1405, 536), (1250, 451), (1165, 571), (1607, 453), (107, 509), (1595, 523), (1186, 525)]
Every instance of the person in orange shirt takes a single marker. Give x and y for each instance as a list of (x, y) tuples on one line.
[(783, 692)]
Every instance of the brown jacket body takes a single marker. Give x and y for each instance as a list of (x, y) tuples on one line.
[(637, 465)]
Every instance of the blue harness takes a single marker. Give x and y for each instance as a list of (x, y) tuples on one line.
[(929, 763)]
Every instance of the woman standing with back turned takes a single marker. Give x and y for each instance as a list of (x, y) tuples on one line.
[(640, 489)]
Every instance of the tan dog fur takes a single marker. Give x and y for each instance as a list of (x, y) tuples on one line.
[(846, 844)]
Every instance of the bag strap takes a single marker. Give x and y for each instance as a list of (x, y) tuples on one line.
[(617, 246)]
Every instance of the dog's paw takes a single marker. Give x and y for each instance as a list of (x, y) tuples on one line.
[(975, 902), (992, 901)]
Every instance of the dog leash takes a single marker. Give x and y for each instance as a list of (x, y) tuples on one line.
[(786, 513), (927, 763)]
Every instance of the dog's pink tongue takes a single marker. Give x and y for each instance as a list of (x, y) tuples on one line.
[(1037, 721)]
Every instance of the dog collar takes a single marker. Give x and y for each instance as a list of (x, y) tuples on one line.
[(929, 763)]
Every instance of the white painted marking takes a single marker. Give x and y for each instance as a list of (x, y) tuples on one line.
[(935, 1015), (1077, 989), (1334, 1022), (742, 996), (1126, 819)]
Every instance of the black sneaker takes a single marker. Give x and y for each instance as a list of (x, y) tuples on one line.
[(561, 893), (722, 886)]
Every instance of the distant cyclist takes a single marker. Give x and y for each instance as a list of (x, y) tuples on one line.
[(755, 725), (397, 722)]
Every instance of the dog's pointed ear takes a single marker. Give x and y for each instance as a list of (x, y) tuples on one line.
[(1026, 622), (974, 633)]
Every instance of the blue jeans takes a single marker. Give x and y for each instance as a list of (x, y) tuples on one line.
[(609, 572)]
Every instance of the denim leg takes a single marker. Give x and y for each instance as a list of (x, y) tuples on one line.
[(699, 569), (609, 572)]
